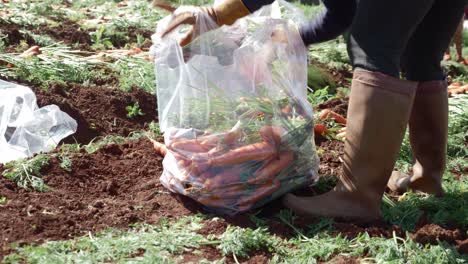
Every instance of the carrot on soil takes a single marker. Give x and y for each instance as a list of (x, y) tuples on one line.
[(329, 114), (160, 148), (320, 129)]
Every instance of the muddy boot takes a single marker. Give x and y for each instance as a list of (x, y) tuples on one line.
[(428, 137), (379, 110)]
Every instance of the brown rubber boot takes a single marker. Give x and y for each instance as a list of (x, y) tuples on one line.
[(379, 110), (428, 137)]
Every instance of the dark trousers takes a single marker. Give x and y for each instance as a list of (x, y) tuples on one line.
[(410, 35)]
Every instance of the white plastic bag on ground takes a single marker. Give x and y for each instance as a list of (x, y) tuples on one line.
[(233, 108), (26, 129)]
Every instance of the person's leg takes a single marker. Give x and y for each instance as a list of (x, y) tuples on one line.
[(429, 116), (379, 109), (458, 40)]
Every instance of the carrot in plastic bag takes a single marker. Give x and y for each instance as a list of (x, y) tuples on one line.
[(256, 151), (272, 134), (226, 138), (215, 200), (272, 168), (189, 145), (264, 190)]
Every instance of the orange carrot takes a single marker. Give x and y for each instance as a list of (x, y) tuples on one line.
[(272, 168), (286, 110), (164, 5), (320, 129), (272, 134), (458, 90), (231, 175), (215, 201), (213, 183), (191, 145), (465, 87), (329, 114), (264, 190), (32, 51), (256, 151), (198, 167), (159, 147), (456, 84)]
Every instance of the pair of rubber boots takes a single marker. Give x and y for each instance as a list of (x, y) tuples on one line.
[(380, 108)]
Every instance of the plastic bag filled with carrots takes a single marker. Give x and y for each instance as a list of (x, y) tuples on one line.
[(233, 110)]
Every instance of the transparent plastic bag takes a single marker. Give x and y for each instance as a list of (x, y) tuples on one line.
[(26, 129), (233, 109)]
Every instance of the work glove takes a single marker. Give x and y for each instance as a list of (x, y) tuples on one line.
[(224, 13)]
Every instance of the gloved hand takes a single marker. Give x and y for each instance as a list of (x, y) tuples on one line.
[(225, 13)]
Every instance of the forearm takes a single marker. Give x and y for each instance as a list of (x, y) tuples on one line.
[(330, 23)]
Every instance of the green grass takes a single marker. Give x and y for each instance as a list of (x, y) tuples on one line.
[(169, 240), (26, 173)]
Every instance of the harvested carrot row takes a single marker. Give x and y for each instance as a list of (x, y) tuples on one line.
[(272, 168), (264, 190), (256, 151), (329, 114)]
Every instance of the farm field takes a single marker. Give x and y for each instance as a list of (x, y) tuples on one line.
[(97, 197)]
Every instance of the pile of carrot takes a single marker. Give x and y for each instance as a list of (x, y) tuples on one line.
[(457, 88), (211, 166), (237, 169)]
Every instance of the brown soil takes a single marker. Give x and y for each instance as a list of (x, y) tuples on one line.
[(99, 111), (70, 33), (114, 187), (67, 31), (330, 154)]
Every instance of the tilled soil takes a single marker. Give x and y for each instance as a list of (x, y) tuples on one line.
[(68, 32), (99, 111), (118, 185)]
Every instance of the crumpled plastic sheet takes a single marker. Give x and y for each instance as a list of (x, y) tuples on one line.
[(26, 129)]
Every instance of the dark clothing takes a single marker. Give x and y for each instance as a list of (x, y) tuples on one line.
[(329, 24), (388, 35), (413, 35)]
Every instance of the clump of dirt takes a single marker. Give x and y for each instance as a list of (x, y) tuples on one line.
[(432, 234), (68, 32), (99, 111)]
